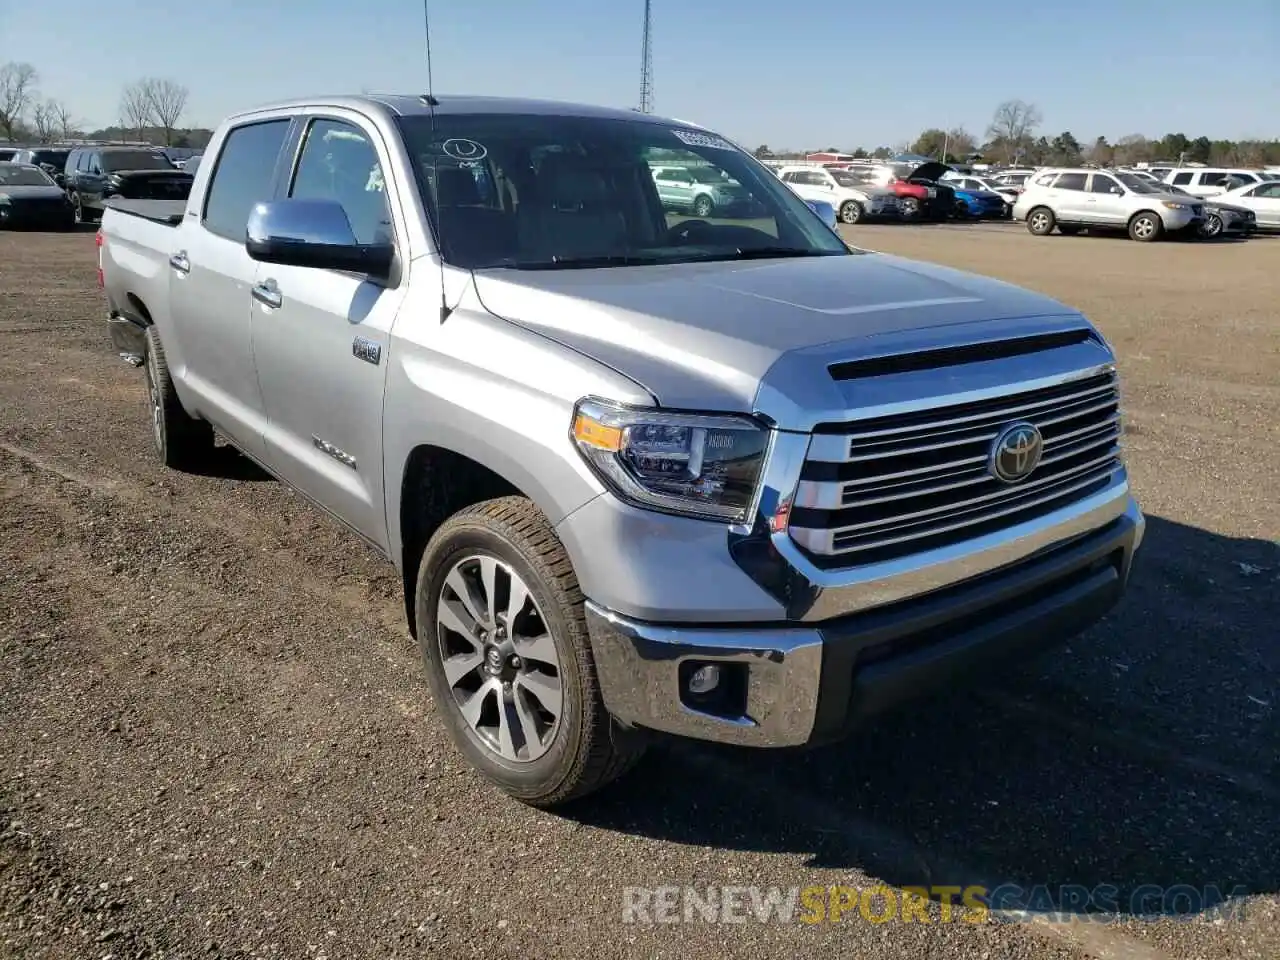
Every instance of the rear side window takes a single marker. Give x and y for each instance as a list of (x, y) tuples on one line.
[(1182, 179), (1070, 181), (243, 176)]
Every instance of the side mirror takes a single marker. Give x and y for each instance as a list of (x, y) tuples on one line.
[(312, 233)]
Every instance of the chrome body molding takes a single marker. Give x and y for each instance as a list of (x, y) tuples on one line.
[(637, 665)]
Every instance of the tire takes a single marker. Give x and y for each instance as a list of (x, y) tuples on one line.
[(1068, 229), (77, 210), (850, 211), (577, 750), (1145, 227), (181, 440), (702, 206), (909, 207), (1212, 227), (1041, 221)]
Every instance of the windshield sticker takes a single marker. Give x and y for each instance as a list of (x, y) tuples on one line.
[(693, 139), (464, 150)]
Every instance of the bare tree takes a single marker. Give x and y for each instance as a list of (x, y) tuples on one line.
[(62, 118), (44, 120), (1012, 125), (167, 101), (17, 87), (135, 108)]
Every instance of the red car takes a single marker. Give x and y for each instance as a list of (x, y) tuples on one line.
[(920, 195)]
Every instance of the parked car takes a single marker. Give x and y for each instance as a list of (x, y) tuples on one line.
[(1206, 181), (973, 182), (920, 193), (853, 195), (702, 191), (1075, 199), (1262, 198), (7, 154), (637, 477), (52, 160), (30, 198), (1220, 218), (825, 210), (95, 174), (977, 203)]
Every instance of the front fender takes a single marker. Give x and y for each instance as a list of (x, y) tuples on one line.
[(497, 394)]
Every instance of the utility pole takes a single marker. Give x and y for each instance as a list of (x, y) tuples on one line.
[(646, 62)]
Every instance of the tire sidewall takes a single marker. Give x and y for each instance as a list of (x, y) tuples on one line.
[(547, 771), (702, 206), (1037, 212), (1155, 229), (159, 428)]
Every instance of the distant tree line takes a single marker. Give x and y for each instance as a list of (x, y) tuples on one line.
[(1013, 137), (151, 109)]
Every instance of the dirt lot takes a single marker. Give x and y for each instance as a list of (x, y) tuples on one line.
[(217, 741)]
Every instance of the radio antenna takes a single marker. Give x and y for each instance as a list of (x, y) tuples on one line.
[(426, 26)]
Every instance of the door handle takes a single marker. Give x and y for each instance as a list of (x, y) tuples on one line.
[(267, 295), (180, 262)]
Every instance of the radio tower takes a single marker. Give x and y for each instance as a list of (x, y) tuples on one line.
[(646, 62)]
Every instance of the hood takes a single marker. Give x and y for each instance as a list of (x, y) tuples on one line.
[(706, 335), (1229, 207), (44, 191), (933, 170)]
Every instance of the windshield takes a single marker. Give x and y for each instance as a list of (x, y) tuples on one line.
[(541, 192), (55, 158), (847, 179), (115, 160), (1139, 184), (14, 176)]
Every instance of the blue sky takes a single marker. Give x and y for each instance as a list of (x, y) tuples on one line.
[(850, 73)]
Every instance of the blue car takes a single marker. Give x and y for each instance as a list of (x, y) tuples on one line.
[(825, 210), (980, 204)]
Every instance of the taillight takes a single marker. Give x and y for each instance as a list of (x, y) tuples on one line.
[(100, 241)]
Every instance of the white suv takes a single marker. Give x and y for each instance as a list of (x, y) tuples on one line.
[(1207, 181), (851, 193), (1075, 199)]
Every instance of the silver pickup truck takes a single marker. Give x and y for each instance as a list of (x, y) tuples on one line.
[(641, 471)]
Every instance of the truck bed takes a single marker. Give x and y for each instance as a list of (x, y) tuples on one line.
[(168, 212)]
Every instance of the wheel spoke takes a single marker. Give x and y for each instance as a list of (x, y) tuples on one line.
[(460, 665), (506, 721), (528, 721), (473, 706), (540, 647), (489, 579), (456, 617), (516, 601), (546, 690), (458, 583)]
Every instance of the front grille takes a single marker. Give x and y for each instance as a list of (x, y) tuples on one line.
[(884, 488)]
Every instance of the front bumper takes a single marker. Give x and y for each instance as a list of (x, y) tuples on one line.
[(793, 684), (43, 216)]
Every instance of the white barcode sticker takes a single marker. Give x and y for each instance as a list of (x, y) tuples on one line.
[(694, 139)]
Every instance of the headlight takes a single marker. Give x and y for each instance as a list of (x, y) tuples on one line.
[(4, 199), (696, 465), (1176, 206)]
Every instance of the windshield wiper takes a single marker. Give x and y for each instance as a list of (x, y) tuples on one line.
[(583, 263), (765, 253)]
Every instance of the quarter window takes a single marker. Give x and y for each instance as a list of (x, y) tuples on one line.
[(242, 176), (339, 163)]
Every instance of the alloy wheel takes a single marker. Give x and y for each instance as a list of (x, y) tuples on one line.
[(499, 658)]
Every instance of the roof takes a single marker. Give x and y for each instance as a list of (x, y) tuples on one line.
[(411, 105)]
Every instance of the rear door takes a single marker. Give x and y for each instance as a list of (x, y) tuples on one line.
[(1068, 198), (210, 302), (321, 338)]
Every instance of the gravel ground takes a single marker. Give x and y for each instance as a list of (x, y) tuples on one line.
[(217, 741)]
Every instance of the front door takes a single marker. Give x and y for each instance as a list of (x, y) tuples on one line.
[(1105, 200), (1265, 203), (321, 338)]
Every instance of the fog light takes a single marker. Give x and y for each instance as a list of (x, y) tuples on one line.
[(705, 679)]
